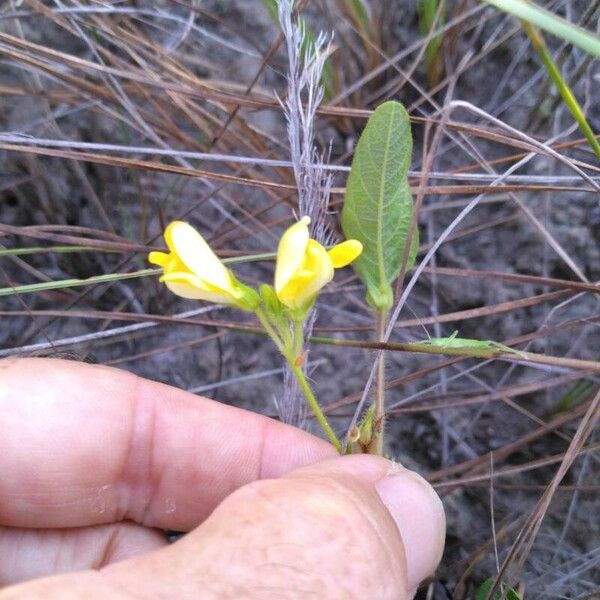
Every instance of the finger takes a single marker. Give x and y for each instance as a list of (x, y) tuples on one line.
[(84, 445), (33, 553), (412, 502), (353, 527)]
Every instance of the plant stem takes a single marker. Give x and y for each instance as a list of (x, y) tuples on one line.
[(291, 355), (298, 338), (70, 283), (421, 347), (376, 447), (264, 320), (314, 405)]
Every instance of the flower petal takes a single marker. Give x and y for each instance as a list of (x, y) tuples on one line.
[(193, 251), (319, 263), (290, 252), (168, 234), (189, 286), (184, 290), (316, 272), (158, 258), (293, 294), (343, 254)]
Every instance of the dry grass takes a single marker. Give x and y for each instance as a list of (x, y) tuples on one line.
[(119, 117)]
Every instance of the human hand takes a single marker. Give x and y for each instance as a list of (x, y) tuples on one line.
[(96, 462)]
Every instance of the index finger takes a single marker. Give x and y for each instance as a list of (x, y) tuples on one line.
[(86, 444)]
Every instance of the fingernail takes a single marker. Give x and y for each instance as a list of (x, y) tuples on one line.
[(419, 516)]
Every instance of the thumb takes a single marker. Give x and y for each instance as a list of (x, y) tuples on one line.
[(350, 527)]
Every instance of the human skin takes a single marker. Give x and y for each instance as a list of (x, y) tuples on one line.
[(97, 462)]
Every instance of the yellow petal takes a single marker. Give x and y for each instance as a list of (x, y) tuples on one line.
[(290, 252), (319, 263), (293, 294), (158, 258), (316, 272), (193, 251), (174, 265), (184, 290), (168, 235), (343, 254), (189, 286)]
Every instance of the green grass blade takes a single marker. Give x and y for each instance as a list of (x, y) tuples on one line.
[(70, 283), (360, 14), (31, 288), (573, 395), (236, 260), (378, 205), (563, 87), (45, 249), (427, 11), (544, 19)]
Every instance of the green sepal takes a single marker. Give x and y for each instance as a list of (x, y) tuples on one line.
[(275, 311), (249, 300), (270, 301), (300, 314), (360, 437), (366, 427)]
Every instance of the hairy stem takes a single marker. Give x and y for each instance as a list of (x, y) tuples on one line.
[(298, 338), (314, 405), (264, 321), (292, 355), (376, 447)]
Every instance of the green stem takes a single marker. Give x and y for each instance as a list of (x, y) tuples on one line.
[(314, 405), (489, 352), (563, 87), (379, 416), (264, 320), (46, 249), (298, 338), (70, 283), (292, 355)]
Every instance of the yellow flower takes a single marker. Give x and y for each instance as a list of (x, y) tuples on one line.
[(304, 266), (192, 270)]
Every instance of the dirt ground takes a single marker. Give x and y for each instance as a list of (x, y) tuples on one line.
[(505, 233)]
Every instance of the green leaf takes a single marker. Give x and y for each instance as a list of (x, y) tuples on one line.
[(485, 588), (378, 205), (550, 22)]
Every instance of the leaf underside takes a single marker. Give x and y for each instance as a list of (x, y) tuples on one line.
[(378, 205)]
